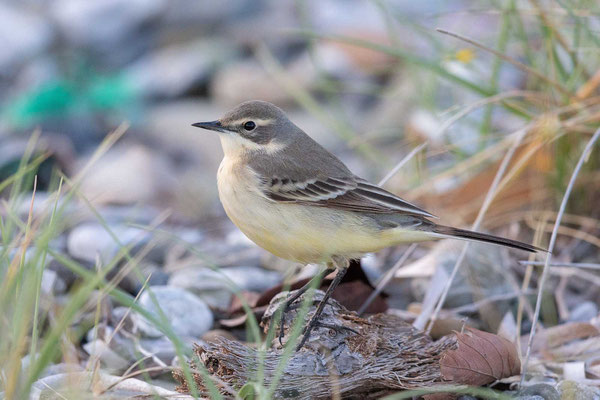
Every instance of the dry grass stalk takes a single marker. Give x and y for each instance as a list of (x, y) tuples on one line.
[(582, 159)]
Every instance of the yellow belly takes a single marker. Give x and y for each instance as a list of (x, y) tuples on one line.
[(306, 234)]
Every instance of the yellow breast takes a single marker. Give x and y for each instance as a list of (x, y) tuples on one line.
[(247, 208), (306, 234)]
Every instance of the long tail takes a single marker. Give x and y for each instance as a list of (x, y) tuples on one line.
[(482, 237)]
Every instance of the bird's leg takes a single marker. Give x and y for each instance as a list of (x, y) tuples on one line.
[(315, 318), (291, 299)]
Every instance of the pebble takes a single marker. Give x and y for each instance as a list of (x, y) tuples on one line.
[(483, 276), (163, 348), (584, 312), (202, 15), (146, 274), (52, 283), (64, 273), (177, 69), (571, 390), (252, 278), (91, 240), (110, 359), (542, 390), (214, 286), (187, 314), (129, 174), (112, 28), (23, 34)]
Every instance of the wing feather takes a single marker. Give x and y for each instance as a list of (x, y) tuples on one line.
[(350, 194)]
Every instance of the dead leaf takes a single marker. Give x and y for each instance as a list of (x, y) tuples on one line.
[(353, 294), (463, 201), (582, 349), (561, 334), (479, 358), (251, 298), (240, 320)]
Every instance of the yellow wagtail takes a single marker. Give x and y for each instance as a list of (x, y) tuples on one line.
[(300, 202)]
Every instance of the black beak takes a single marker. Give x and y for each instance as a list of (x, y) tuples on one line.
[(211, 126)]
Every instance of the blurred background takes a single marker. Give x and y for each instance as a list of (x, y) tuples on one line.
[(97, 99), (370, 80)]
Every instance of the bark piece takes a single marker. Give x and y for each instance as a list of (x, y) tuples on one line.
[(346, 355)]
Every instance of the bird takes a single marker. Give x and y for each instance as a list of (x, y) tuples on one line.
[(298, 201)]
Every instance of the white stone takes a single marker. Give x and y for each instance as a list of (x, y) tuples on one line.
[(187, 314)]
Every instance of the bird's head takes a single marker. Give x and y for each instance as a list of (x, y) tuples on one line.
[(252, 126)]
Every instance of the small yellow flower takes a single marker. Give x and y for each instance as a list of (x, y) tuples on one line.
[(465, 55)]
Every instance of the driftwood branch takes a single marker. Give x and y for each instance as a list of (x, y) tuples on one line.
[(346, 355)]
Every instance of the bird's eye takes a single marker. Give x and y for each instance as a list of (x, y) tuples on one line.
[(250, 125)]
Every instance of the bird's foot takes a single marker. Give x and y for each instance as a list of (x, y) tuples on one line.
[(285, 308), (314, 321)]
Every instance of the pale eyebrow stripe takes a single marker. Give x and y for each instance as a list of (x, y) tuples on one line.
[(257, 121)]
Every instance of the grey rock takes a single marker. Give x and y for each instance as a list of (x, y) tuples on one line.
[(187, 314), (266, 25), (129, 174), (24, 35), (145, 273), (52, 283), (111, 360), (584, 312), (43, 203), (208, 14), (482, 274), (199, 279), (252, 278), (64, 273), (542, 390), (38, 71), (90, 240), (572, 390), (231, 86), (163, 348), (51, 369), (207, 284), (215, 286), (158, 278), (123, 314), (112, 27), (175, 70), (120, 344)]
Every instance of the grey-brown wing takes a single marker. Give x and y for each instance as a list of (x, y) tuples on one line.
[(304, 172), (347, 193)]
